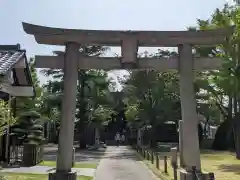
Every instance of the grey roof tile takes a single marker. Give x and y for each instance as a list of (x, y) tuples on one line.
[(8, 59), (9, 56)]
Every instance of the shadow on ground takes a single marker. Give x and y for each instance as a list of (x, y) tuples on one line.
[(123, 156), (121, 153), (50, 154), (235, 168)]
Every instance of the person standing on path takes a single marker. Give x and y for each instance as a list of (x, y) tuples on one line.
[(117, 138)]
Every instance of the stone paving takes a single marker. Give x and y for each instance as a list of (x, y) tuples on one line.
[(47, 169), (122, 163), (50, 154)]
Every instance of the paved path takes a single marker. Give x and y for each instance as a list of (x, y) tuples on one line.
[(50, 154), (122, 163), (47, 169)]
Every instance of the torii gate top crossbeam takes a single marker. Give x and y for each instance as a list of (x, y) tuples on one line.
[(58, 36)]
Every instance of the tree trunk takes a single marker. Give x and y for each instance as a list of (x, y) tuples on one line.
[(97, 136), (139, 137), (153, 136), (83, 140), (200, 134), (236, 132), (223, 137), (230, 120), (205, 128), (235, 128), (81, 128), (221, 141)]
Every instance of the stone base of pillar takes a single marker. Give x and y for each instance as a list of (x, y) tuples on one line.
[(62, 176), (184, 175)]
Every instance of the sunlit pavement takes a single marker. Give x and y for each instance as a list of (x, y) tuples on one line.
[(122, 163)]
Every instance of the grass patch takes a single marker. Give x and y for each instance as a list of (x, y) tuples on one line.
[(77, 165), (223, 164), (16, 176)]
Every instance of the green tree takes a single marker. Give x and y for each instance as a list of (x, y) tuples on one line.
[(6, 118), (28, 127), (152, 98), (223, 85), (92, 92)]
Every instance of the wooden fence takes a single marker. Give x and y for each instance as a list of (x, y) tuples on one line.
[(160, 160), (16, 154), (32, 154)]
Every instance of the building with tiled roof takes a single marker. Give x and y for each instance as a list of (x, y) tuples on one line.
[(15, 76), (15, 80)]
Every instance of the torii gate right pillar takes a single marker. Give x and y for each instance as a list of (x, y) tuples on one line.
[(190, 143)]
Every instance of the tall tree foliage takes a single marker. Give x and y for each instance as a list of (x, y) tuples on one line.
[(29, 125), (223, 85), (152, 98), (6, 118), (92, 94)]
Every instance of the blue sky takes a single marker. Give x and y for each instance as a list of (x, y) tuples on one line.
[(97, 14)]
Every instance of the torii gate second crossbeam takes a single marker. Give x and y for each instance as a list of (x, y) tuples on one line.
[(129, 41)]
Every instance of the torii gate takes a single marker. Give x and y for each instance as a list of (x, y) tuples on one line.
[(129, 41)]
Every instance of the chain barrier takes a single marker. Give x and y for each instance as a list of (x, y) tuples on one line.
[(211, 176), (198, 176)]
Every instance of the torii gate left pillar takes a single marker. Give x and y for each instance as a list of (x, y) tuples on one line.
[(64, 158)]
